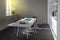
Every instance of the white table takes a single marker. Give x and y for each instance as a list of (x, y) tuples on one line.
[(17, 24)]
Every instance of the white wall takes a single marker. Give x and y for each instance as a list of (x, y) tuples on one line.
[(58, 28), (51, 21)]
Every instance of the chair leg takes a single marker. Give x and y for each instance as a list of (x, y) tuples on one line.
[(27, 35)]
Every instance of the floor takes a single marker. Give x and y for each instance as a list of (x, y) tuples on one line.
[(41, 34)]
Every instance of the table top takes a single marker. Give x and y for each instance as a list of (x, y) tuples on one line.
[(17, 24)]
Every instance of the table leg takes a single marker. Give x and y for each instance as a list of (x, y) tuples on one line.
[(17, 32)]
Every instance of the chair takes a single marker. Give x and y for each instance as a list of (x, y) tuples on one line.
[(35, 22), (27, 32)]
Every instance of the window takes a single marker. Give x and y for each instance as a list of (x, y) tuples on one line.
[(10, 7)]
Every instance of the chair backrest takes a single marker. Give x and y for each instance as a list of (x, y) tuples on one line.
[(35, 17)]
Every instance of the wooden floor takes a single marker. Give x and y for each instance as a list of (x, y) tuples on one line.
[(41, 34)]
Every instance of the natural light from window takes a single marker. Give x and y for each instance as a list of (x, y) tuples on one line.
[(10, 7)]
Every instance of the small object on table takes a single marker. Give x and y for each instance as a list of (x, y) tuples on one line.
[(28, 19), (23, 22)]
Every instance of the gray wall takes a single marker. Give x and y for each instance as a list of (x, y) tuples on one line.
[(33, 8), (4, 20)]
